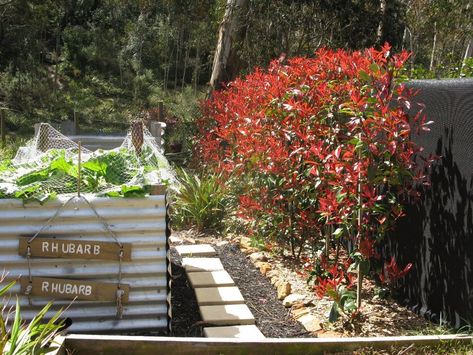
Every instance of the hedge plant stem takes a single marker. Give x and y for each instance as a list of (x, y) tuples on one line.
[(292, 238), (328, 231), (337, 253), (359, 282)]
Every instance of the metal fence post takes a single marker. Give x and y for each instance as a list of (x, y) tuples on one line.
[(157, 130)]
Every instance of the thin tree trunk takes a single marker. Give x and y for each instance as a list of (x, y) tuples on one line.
[(196, 68), (433, 47), (167, 57), (404, 35), (411, 49), (168, 69), (382, 19), (468, 53), (186, 58), (56, 58), (469, 49), (226, 34), (178, 51)]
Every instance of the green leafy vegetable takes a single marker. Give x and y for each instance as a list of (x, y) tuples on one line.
[(115, 173)]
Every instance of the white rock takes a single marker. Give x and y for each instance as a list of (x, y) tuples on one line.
[(221, 243), (175, 240), (258, 256), (284, 290), (245, 242), (293, 298), (310, 322)]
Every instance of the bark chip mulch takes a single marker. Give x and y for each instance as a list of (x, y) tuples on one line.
[(380, 317), (272, 318), (185, 319)]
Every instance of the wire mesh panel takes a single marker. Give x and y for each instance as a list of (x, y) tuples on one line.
[(49, 164), (437, 233)]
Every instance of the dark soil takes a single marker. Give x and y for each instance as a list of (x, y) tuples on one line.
[(185, 320), (272, 318)]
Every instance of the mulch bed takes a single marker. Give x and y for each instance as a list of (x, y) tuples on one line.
[(381, 317), (185, 320), (272, 318)]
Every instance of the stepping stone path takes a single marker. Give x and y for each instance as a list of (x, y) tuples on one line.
[(208, 296), (196, 250), (201, 264), (220, 301), (230, 314), (210, 279)]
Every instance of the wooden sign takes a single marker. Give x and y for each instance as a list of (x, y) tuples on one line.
[(74, 249), (84, 290)]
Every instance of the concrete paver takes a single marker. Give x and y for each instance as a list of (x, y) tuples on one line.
[(233, 314), (201, 264), (210, 279), (208, 296), (197, 250)]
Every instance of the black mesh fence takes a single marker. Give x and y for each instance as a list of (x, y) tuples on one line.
[(437, 234)]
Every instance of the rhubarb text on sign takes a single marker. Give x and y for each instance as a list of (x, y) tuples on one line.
[(74, 249), (74, 289)]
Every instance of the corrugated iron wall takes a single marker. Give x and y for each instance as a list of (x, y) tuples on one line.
[(140, 221)]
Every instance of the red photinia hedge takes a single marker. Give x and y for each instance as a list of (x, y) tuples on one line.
[(317, 141)]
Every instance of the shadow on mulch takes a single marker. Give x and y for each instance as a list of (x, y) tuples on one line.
[(272, 318), (185, 320)]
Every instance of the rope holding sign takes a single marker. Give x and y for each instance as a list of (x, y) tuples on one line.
[(29, 287), (120, 292)]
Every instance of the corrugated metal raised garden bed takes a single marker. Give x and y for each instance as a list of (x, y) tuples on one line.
[(67, 238)]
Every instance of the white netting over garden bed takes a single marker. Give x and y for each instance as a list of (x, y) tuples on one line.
[(49, 165)]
